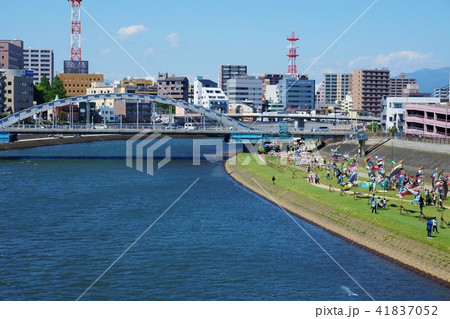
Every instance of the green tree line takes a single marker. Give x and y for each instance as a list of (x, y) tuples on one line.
[(45, 92)]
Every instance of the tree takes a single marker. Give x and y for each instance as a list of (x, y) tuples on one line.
[(46, 89), (374, 127), (58, 88), (62, 116), (393, 129), (45, 92), (38, 94)]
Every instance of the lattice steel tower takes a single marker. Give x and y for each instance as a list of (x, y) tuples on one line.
[(292, 68), (75, 64), (75, 43)]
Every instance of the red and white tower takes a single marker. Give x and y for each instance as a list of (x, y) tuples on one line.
[(292, 69), (75, 43)]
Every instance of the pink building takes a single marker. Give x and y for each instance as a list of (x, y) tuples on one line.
[(428, 120)]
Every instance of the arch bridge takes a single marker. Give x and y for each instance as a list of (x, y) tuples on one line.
[(35, 110)]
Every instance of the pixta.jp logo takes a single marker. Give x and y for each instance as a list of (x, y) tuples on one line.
[(144, 149)]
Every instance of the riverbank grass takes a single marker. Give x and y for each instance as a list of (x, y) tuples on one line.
[(405, 223)]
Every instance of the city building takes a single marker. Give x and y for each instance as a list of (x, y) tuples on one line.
[(320, 94), (335, 87), (441, 92), (245, 89), (138, 86), (368, 88), (398, 85), (393, 110), (18, 90), (271, 93), (76, 84), (11, 54), (269, 79), (101, 88), (346, 105), (208, 95), (2, 92), (107, 114), (297, 93), (173, 87), (227, 72), (428, 120), (239, 108), (41, 61)]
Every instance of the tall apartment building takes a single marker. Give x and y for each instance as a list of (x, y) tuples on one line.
[(11, 54), (227, 72), (368, 89), (335, 87), (297, 93), (76, 84), (41, 61), (245, 89), (397, 85), (173, 87)]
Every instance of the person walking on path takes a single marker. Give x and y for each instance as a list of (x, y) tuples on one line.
[(273, 180), (429, 226), (373, 203)]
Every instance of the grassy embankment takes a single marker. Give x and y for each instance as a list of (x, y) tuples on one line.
[(407, 225)]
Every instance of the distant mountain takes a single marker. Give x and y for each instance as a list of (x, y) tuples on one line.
[(429, 79)]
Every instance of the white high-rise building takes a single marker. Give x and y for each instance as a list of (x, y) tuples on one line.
[(41, 62), (208, 95)]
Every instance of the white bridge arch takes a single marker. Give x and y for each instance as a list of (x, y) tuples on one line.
[(35, 110)]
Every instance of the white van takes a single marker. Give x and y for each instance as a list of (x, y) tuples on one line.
[(189, 126)]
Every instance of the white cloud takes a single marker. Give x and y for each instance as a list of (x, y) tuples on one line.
[(125, 32), (173, 39), (391, 60), (149, 51), (105, 51)]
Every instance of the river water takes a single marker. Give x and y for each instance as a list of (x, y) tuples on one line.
[(65, 220)]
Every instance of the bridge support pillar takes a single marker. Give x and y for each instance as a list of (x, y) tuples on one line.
[(362, 147), (153, 116), (137, 114), (88, 114)]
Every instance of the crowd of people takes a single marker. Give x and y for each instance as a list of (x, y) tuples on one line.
[(344, 169)]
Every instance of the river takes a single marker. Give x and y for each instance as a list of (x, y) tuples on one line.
[(66, 219)]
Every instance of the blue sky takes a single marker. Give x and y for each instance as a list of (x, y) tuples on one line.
[(194, 37)]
